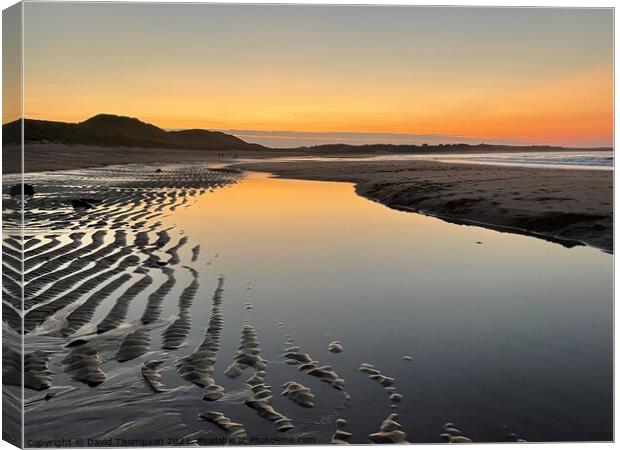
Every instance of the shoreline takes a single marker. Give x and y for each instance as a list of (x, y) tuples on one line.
[(574, 208), (44, 157), (568, 243), (568, 207)]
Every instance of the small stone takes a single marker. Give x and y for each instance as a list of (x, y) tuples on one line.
[(396, 398)]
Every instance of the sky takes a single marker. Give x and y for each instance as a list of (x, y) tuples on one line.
[(313, 74), (11, 67)]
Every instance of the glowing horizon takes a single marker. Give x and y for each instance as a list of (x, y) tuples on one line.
[(531, 76)]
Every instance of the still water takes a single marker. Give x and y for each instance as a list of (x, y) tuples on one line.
[(508, 334)]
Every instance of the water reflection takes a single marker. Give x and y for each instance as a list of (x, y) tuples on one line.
[(565, 159), (509, 334)]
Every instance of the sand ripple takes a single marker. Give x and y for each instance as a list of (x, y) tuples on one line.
[(453, 435), (299, 394), (37, 375), (260, 401), (236, 432), (248, 354), (83, 363), (174, 336), (390, 432), (152, 375), (198, 368)]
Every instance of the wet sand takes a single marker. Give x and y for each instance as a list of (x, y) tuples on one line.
[(42, 157), (571, 207), (112, 296), (86, 268)]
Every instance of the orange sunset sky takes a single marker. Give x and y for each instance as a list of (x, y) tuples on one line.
[(495, 75)]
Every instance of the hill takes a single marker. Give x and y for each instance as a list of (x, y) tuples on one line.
[(107, 130), (335, 149)]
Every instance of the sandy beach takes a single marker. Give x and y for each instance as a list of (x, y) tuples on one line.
[(140, 269), (90, 270), (159, 292), (571, 207), (42, 157)]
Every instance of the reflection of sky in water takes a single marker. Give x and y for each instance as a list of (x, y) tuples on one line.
[(578, 160), (597, 160), (514, 332)]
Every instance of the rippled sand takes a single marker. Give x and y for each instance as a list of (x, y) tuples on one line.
[(84, 268)]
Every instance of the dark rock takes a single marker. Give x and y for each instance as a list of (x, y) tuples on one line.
[(81, 204), (16, 190)]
